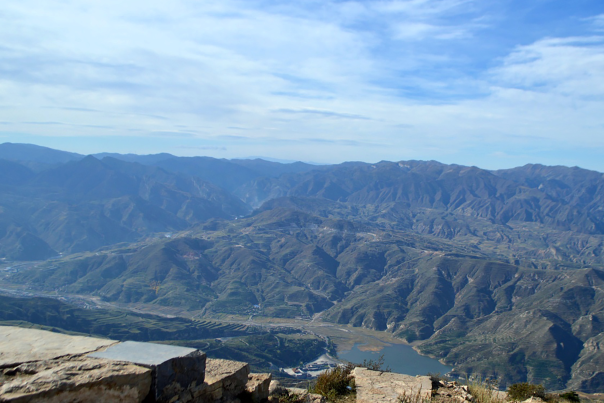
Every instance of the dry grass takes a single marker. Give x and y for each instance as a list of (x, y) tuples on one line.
[(418, 397), (485, 392), (290, 398)]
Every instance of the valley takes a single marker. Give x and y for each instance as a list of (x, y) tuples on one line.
[(497, 274)]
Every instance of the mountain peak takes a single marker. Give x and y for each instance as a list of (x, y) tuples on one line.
[(35, 153)]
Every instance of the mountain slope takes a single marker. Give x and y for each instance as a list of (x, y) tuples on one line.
[(446, 188), (457, 301), (85, 204), (499, 273), (34, 153)]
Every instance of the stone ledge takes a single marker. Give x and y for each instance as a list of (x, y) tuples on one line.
[(19, 345), (78, 379), (224, 381), (257, 387), (174, 370), (387, 387)]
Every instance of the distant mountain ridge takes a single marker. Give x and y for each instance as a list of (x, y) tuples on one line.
[(154, 188), (563, 200), (34, 153), (86, 204), (225, 173)]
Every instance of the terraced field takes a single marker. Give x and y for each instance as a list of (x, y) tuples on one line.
[(119, 325)]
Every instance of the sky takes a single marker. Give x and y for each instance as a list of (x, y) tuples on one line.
[(491, 83)]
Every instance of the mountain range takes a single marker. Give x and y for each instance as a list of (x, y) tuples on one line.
[(498, 273)]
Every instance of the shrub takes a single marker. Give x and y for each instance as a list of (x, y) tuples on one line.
[(377, 365), (524, 390), (335, 382), (485, 391), (571, 396)]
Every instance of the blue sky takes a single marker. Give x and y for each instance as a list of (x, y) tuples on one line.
[(489, 83)]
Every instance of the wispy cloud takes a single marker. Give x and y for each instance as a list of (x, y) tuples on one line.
[(572, 66), (323, 113), (160, 133), (363, 80), (597, 22), (202, 148), (44, 123)]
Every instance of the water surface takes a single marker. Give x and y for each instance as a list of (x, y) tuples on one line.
[(401, 358)]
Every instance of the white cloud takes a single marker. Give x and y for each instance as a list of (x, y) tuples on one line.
[(597, 22), (421, 8), (417, 31), (327, 71), (568, 66)]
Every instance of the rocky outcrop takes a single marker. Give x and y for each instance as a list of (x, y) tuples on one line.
[(257, 387), (303, 395), (175, 371), (225, 380), (588, 373), (451, 391), (279, 393), (76, 379), (19, 345), (39, 366), (388, 387)]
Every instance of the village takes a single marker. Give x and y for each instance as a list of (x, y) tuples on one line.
[(312, 369)]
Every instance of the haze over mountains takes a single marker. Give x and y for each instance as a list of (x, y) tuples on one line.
[(499, 273)]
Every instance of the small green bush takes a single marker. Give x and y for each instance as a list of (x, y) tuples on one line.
[(524, 390), (571, 396), (335, 382), (375, 365)]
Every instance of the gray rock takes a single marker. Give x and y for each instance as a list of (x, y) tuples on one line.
[(175, 369), (276, 389), (224, 381), (307, 396), (19, 345), (78, 379), (533, 400), (388, 387), (257, 387)]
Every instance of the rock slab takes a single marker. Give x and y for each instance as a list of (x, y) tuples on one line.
[(224, 381), (19, 345), (388, 387), (75, 379), (306, 396), (257, 387)]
